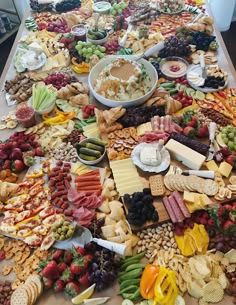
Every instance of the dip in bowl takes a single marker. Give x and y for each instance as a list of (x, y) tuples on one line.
[(122, 81), (174, 67)]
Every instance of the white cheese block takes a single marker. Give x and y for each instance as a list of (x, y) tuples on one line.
[(184, 154), (150, 156)]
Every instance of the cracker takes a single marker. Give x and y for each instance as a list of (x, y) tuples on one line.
[(210, 187), (157, 185), (232, 179), (20, 297), (213, 292), (15, 284), (168, 180), (36, 279)]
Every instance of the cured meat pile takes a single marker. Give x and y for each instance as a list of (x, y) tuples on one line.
[(89, 183), (154, 136), (84, 206), (165, 124), (59, 183), (176, 208)]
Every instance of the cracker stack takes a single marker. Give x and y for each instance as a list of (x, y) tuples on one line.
[(28, 293)]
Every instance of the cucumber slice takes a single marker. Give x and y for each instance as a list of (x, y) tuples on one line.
[(199, 95), (190, 91)]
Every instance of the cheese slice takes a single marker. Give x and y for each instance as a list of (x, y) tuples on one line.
[(188, 196), (186, 155), (141, 129), (225, 169), (212, 166)]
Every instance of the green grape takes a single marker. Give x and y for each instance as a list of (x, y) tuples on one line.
[(102, 49), (230, 145), (90, 50), (231, 135), (113, 12), (119, 11), (225, 140), (234, 147)]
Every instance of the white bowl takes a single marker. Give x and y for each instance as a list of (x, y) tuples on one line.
[(101, 7), (45, 111), (94, 161), (97, 41), (97, 69)]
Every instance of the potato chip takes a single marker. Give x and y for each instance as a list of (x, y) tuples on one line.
[(225, 261), (231, 256), (223, 280), (202, 302), (194, 289), (213, 292)]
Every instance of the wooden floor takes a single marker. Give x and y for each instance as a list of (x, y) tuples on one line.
[(228, 36)]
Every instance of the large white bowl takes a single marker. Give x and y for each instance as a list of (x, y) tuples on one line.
[(97, 69)]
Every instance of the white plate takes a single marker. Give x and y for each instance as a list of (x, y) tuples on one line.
[(165, 159), (40, 62), (197, 69)]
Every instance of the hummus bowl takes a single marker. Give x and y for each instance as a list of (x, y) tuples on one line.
[(174, 67), (122, 81)]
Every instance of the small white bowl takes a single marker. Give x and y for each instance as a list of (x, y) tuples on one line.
[(98, 41), (94, 161), (101, 7)]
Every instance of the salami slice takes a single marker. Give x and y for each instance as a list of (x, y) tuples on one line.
[(178, 213), (169, 209), (181, 204)]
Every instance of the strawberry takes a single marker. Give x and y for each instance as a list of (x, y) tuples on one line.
[(28, 160), (18, 166), (47, 283), (25, 147), (39, 151), (51, 271), (228, 225), (193, 122), (211, 222), (83, 280), (57, 255), (72, 288), (80, 250), (68, 257), (189, 132), (221, 211), (87, 260), (61, 267), (59, 286), (2, 255), (67, 275), (77, 266), (203, 131), (231, 159)]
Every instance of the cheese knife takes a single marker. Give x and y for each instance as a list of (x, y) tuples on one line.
[(212, 131), (200, 173)]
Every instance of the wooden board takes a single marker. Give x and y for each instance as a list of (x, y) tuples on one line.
[(158, 204)]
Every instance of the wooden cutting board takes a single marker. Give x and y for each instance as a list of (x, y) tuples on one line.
[(163, 215)]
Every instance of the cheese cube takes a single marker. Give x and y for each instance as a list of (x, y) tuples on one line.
[(186, 155), (225, 169), (205, 200), (188, 197), (212, 166)]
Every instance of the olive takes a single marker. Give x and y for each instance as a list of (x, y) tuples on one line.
[(56, 236), (70, 232), (59, 230), (66, 223), (62, 237), (64, 229)]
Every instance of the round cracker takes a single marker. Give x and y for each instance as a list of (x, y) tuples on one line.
[(20, 297), (36, 279), (210, 187)]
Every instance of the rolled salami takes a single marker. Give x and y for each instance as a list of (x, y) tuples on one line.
[(169, 209), (181, 204)]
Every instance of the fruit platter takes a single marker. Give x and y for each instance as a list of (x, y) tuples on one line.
[(118, 157)]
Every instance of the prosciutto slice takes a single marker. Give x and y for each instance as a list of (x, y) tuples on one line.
[(83, 216)]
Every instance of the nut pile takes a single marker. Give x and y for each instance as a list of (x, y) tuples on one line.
[(5, 292), (213, 115), (203, 118), (65, 152), (152, 240)]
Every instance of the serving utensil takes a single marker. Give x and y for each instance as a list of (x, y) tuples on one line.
[(212, 131), (154, 49), (124, 38), (203, 66), (83, 236)]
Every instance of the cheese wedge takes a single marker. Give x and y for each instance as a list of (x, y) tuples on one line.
[(225, 169)]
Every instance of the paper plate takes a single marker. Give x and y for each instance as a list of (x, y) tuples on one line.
[(165, 159)]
